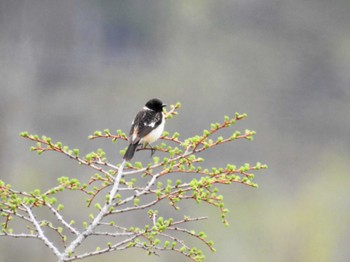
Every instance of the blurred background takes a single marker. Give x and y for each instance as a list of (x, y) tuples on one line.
[(68, 68)]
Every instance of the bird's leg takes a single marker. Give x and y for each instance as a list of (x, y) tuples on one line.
[(152, 150), (141, 146)]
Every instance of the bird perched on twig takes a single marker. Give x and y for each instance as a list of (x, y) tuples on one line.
[(147, 127)]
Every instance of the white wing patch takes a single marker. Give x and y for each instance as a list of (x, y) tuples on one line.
[(155, 133), (151, 124)]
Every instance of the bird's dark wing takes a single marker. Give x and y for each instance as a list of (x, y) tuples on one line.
[(144, 122)]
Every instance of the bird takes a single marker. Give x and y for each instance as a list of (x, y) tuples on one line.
[(146, 128)]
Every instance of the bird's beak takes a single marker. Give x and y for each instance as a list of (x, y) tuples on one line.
[(163, 105)]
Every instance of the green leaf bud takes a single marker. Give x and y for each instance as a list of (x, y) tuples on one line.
[(76, 152)]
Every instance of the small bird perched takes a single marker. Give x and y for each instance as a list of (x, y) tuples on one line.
[(147, 127)]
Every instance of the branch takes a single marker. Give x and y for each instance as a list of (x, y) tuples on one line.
[(22, 235), (58, 148), (60, 218), (116, 183), (41, 234), (118, 246), (90, 229)]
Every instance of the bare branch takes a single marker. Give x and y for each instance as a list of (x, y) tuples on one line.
[(41, 234), (60, 219), (21, 235)]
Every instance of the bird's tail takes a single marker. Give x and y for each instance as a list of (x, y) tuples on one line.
[(129, 154)]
